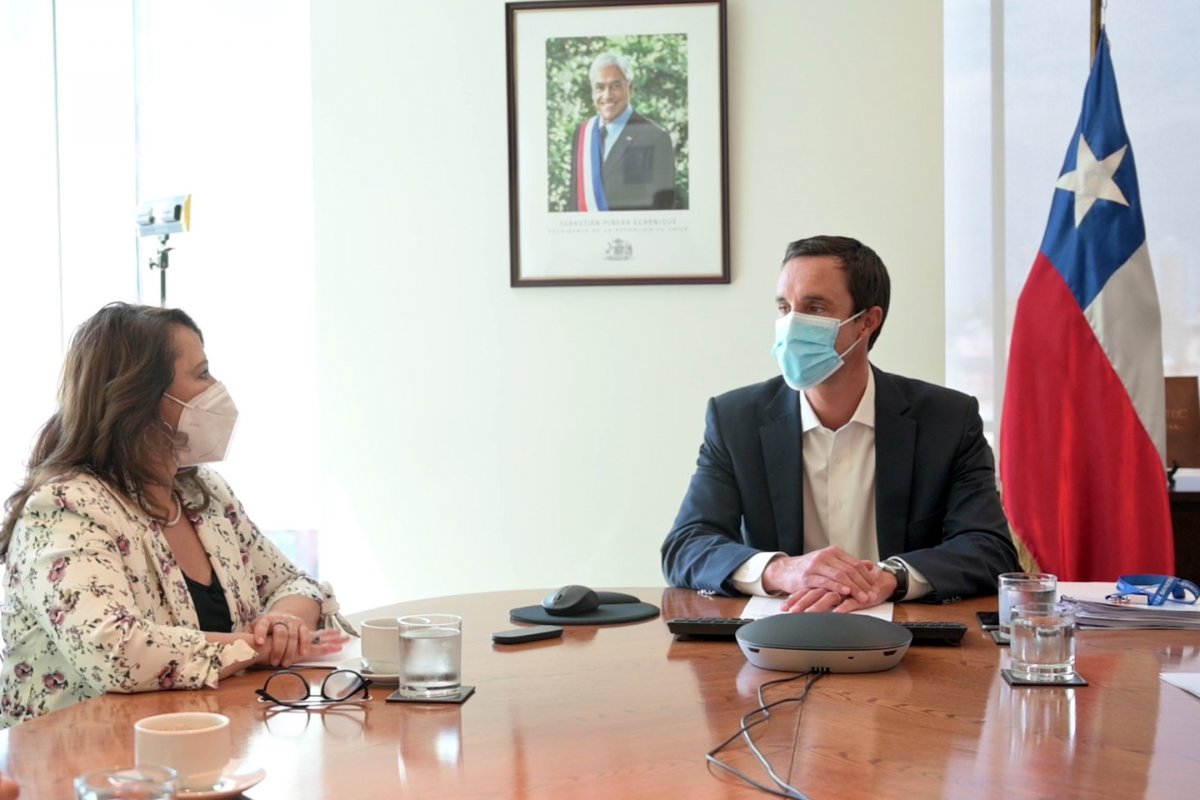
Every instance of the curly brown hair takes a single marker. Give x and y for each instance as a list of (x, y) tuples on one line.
[(117, 368)]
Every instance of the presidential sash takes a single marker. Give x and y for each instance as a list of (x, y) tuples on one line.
[(589, 192)]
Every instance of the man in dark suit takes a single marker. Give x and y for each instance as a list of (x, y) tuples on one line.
[(620, 160), (805, 482)]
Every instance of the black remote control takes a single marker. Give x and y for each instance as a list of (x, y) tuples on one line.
[(706, 627), (923, 633), (935, 633)]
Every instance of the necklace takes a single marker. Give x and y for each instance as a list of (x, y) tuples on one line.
[(173, 521)]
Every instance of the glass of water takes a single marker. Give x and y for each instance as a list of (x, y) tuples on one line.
[(1043, 641), (134, 783), (1017, 588), (430, 655)]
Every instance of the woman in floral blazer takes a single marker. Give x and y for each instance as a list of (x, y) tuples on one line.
[(111, 543)]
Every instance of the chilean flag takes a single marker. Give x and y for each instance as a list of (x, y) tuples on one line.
[(1083, 435)]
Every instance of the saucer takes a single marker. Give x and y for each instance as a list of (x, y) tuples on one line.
[(238, 778), (357, 665)]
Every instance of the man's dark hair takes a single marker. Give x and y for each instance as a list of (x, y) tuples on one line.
[(866, 275)]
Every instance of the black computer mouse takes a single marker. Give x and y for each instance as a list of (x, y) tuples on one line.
[(571, 601)]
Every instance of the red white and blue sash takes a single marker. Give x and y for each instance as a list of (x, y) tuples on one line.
[(588, 162)]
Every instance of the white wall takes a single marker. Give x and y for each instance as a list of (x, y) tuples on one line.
[(477, 437)]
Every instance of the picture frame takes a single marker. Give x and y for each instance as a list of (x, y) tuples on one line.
[(617, 142)]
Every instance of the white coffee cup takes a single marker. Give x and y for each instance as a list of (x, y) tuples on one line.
[(381, 645), (196, 744)]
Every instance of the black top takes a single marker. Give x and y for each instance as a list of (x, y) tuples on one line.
[(211, 607)]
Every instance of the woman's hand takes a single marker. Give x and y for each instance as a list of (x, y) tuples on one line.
[(282, 639), (327, 641)]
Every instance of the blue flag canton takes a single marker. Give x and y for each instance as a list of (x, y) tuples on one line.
[(1110, 232)]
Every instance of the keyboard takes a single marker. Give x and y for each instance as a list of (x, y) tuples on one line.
[(706, 627), (923, 633)]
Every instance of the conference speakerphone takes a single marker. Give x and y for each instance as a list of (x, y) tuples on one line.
[(923, 633), (823, 641)]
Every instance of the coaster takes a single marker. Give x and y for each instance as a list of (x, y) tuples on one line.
[(996, 638), (457, 698), (1013, 680)]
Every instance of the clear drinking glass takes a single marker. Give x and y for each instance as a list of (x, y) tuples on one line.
[(1043, 641), (1023, 587), (130, 783), (430, 655)]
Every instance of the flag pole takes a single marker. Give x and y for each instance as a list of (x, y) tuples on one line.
[(1097, 21)]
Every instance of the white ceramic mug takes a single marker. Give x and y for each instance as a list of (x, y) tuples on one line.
[(196, 744), (381, 645)]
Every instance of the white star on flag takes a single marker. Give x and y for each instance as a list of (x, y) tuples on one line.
[(1092, 180)]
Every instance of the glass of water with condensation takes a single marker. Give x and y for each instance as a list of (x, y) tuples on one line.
[(430, 655)]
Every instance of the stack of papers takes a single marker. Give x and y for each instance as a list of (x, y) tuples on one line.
[(1097, 612), (1188, 681)]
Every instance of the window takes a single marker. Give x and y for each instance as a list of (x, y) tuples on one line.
[(132, 99), (228, 120), (1014, 79)]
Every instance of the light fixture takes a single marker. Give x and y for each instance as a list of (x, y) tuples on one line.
[(161, 218)]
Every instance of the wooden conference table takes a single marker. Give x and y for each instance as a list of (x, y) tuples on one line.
[(627, 712)]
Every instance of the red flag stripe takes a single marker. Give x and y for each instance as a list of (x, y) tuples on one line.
[(1064, 477)]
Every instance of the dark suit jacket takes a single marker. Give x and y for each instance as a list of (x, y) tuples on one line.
[(935, 488), (639, 172)]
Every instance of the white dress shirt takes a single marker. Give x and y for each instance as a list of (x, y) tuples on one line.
[(838, 483), (614, 129)]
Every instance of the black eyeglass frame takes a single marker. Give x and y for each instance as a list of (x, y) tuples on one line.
[(324, 701)]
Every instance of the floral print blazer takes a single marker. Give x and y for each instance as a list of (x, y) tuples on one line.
[(95, 603)]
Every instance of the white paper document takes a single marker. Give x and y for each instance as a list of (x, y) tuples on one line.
[(759, 607), (1188, 681), (1096, 611)]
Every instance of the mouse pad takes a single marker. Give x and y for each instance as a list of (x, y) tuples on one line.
[(606, 614)]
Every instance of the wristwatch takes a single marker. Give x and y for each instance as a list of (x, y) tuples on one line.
[(900, 573)]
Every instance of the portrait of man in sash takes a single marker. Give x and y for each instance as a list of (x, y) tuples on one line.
[(621, 160), (629, 150)]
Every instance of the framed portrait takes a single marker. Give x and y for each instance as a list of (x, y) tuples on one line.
[(617, 142)]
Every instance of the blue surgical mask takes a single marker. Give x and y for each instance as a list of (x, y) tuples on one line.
[(804, 348)]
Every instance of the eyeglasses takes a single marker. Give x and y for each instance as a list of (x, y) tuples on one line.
[(291, 689), (1157, 589)]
